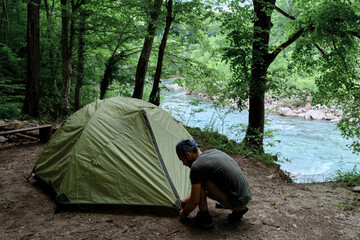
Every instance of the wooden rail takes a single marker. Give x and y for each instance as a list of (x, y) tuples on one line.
[(45, 132)]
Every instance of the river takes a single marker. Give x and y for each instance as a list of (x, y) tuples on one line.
[(310, 150)]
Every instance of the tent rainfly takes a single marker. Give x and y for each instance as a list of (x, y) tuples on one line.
[(116, 151)]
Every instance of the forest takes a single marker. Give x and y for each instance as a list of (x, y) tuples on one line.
[(58, 56)]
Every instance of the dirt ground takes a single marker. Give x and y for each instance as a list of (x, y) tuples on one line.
[(279, 210)]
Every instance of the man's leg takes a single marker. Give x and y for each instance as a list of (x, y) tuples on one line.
[(215, 193), (203, 202), (203, 217)]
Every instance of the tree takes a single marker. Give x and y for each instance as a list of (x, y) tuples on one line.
[(4, 26), (146, 50), (68, 10), (121, 40), (80, 61), (66, 53), (31, 101), (335, 38), (251, 74), (155, 92), (49, 9), (110, 69)]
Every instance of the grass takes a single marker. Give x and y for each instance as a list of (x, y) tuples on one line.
[(215, 140), (351, 178), (344, 206), (209, 139)]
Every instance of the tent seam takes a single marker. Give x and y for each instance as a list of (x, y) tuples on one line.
[(160, 157)]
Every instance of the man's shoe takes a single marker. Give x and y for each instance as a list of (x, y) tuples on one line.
[(202, 220), (235, 216), (219, 205)]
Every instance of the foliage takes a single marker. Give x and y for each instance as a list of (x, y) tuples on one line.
[(205, 71), (336, 35), (237, 25), (322, 63), (210, 45), (213, 139), (12, 63), (352, 178), (11, 84), (210, 139)]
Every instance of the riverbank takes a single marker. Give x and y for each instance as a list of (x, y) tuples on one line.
[(311, 150), (278, 210), (287, 107), (307, 111)]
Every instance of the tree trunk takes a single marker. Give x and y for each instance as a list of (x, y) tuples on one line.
[(31, 101), (146, 50), (4, 26), (155, 92), (108, 73), (260, 65), (49, 11), (80, 63), (110, 69), (66, 59), (67, 43)]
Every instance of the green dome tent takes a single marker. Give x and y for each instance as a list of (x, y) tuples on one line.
[(116, 151)]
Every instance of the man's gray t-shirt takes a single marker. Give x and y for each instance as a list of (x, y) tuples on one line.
[(224, 172)]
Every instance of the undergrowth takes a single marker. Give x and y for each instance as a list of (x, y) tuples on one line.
[(351, 178), (214, 140)]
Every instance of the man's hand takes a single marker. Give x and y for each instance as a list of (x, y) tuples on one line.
[(184, 202), (189, 203), (182, 215)]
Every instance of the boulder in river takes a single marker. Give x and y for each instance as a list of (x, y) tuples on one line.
[(315, 115), (285, 111)]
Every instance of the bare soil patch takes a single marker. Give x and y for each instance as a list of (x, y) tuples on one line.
[(279, 210)]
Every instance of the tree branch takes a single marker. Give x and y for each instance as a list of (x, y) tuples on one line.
[(284, 13), (121, 35), (187, 60), (340, 54), (132, 53), (320, 50), (78, 4), (356, 34), (273, 55)]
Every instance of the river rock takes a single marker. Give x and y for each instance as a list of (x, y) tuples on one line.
[(329, 116), (336, 120), (301, 110), (286, 112), (315, 115), (302, 115), (356, 189), (176, 87)]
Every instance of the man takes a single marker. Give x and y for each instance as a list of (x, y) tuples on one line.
[(216, 175)]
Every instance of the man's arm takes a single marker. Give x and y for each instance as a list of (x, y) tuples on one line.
[(192, 202)]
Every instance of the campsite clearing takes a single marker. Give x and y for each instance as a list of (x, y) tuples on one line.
[(278, 210)]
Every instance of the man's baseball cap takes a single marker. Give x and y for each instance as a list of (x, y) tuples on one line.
[(184, 146)]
